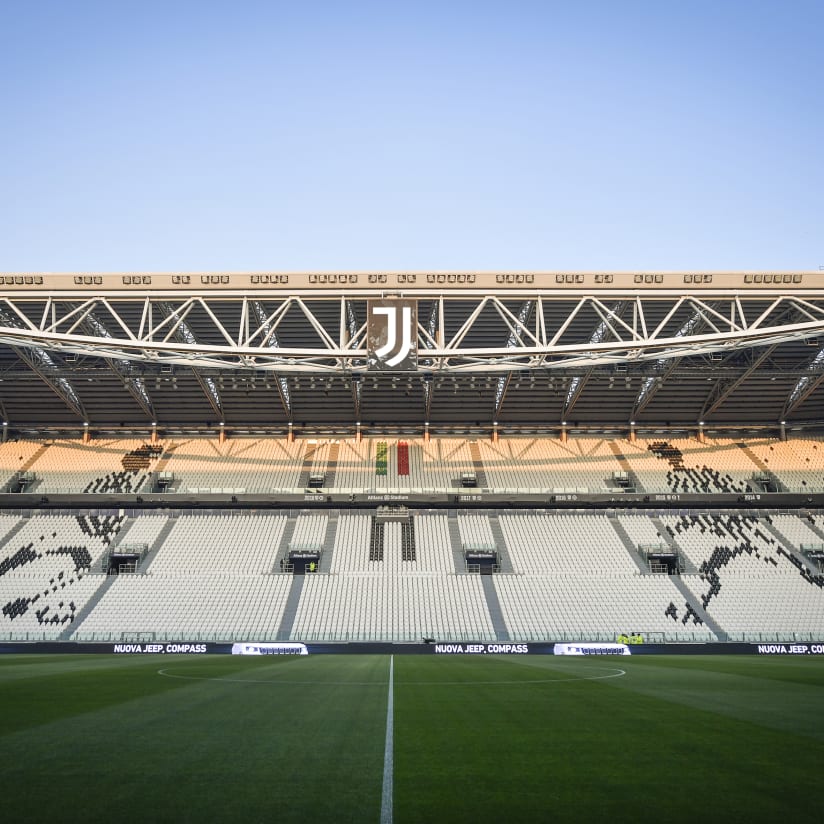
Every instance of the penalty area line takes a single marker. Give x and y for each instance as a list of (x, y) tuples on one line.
[(388, 749)]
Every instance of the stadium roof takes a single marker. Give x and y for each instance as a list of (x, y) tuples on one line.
[(524, 351)]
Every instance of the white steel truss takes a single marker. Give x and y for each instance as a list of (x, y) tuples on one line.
[(293, 334)]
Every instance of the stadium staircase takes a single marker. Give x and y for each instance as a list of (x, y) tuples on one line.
[(634, 483), (290, 609), (813, 528), (5, 540), (25, 467), (325, 564), (789, 546), (285, 539), (128, 523), (34, 458), (692, 600), (160, 466), (158, 542), (455, 540), (332, 465), (494, 607), (628, 543), (164, 459), (118, 539), (778, 484), (477, 464), (504, 564), (689, 566), (306, 467), (694, 607), (106, 583)]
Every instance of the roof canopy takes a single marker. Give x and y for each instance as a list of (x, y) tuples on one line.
[(520, 350)]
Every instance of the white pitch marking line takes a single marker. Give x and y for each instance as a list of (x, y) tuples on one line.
[(271, 681), (388, 750), (617, 673)]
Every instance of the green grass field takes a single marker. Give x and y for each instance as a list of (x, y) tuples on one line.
[(531, 738)]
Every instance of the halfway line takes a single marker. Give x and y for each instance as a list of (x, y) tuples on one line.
[(386, 797)]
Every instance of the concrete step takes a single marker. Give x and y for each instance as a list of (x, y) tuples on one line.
[(504, 562), (455, 540), (493, 604), (290, 610), (693, 600), (325, 564), (106, 582), (332, 466), (628, 543), (814, 527), (306, 467), (158, 544), (477, 464), (789, 546), (7, 540), (165, 457), (625, 465), (25, 467), (778, 484), (34, 458), (688, 566), (282, 555)]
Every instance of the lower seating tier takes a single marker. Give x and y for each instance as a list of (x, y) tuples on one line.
[(217, 575)]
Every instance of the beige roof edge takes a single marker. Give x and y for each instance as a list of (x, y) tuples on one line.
[(542, 272)]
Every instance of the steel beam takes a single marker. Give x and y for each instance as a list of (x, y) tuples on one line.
[(722, 389), (60, 386), (797, 397), (161, 331)]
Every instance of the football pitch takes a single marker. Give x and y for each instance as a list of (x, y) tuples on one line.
[(410, 738)]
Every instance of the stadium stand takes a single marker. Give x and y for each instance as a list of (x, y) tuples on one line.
[(569, 606), (558, 456), (561, 573), (540, 543), (387, 606), (748, 581), (570, 573), (201, 465), (581, 465), (208, 606), (70, 466), (797, 463), (230, 543), (682, 466), (45, 570)]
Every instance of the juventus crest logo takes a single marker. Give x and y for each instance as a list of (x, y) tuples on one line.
[(391, 335)]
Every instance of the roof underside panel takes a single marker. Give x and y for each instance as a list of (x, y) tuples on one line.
[(27, 400)]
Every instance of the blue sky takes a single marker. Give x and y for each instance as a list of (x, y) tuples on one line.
[(416, 136)]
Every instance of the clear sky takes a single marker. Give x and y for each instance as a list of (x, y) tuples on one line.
[(414, 135)]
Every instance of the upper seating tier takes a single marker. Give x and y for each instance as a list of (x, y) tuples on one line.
[(264, 465)]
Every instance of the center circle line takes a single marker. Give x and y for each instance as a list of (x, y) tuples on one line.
[(617, 673)]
